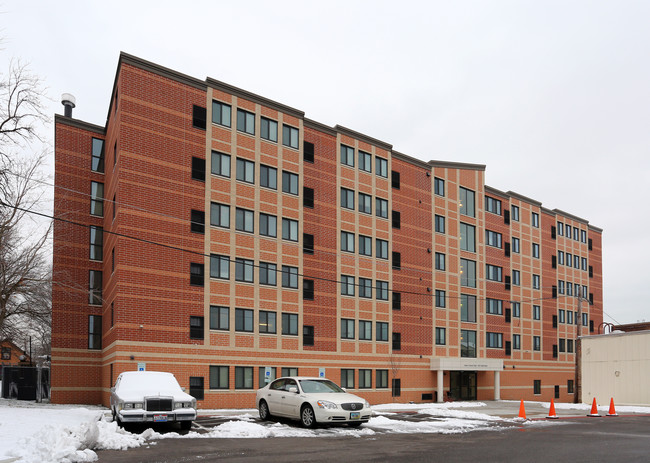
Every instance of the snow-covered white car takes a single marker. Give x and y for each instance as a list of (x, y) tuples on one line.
[(151, 397), (312, 401)]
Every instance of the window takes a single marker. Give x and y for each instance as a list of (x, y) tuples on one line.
[(468, 308), (6, 353), (381, 381), (290, 136), (514, 213), (569, 318), (560, 257), (397, 300), (289, 182), (397, 341), (516, 341), (96, 243), (439, 186), (94, 332), (365, 161), (381, 248), (381, 167), (536, 312), (219, 267), (290, 229), (95, 287), (307, 243), (289, 371), (268, 225), (307, 335), (397, 260), (196, 327), (244, 270), (536, 343), (197, 221), (583, 261), (467, 343), (365, 379), (347, 285), (567, 231), (516, 245), (494, 306), (244, 220), (382, 290), (196, 274), (583, 236), (516, 277), (268, 322), (244, 320), (560, 228), (467, 237), (219, 318), (268, 129), (493, 239), (245, 122), (441, 298), (381, 208), (576, 231), (347, 155), (365, 203), (245, 170), (440, 261), (493, 205), (290, 324), (561, 316), (365, 287), (199, 116), (198, 169), (536, 250), (536, 282), (585, 319), (397, 223), (347, 328), (468, 273), (308, 197), (97, 199), (289, 277), (269, 177), (466, 202), (365, 330), (308, 151), (569, 289), (347, 198), (576, 261), (268, 274), (394, 179), (516, 309), (562, 345), (347, 378), (382, 331), (440, 224), (537, 386), (493, 273), (308, 289), (365, 245), (441, 336), (569, 386), (347, 241), (266, 375), (219, 377), (220, 164), (569, 259), (97, 155), (243, 377), (219, 215), (494, 340), (221, 113), (535, 219), (569, 346)]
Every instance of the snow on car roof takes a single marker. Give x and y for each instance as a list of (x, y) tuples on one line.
[(149, 381)]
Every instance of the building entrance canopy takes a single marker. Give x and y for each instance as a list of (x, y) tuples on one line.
[(467, 364)]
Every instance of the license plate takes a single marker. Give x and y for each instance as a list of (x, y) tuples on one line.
[(355, 415), (160, 418)]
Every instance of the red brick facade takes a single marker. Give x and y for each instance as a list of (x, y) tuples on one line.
[(375, 303)]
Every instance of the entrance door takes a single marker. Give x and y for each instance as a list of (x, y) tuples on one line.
[(462, 385)]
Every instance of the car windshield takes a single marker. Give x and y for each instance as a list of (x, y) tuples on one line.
[(310, 386)]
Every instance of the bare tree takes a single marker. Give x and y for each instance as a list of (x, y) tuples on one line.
[(25, 276)]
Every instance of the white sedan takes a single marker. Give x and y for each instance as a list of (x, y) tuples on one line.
[(151, 396), (312, 401)]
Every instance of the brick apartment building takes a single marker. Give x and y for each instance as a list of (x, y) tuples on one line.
[(224, 237)]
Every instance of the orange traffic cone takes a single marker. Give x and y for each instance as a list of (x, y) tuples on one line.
[(551, 412), (594, 409), (612, 410), (522, 410)]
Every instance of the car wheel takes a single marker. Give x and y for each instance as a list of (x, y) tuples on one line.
[(264, 411), (307, 417), (186, 425), (355, 424)]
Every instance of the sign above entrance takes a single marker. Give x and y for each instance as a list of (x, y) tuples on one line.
[(466, 364)]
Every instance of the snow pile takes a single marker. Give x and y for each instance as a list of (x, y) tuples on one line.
[(447, 426)]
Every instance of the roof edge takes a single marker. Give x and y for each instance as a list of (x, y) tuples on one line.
[(79, 124)]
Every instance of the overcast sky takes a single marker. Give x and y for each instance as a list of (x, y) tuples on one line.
[(552, 96)]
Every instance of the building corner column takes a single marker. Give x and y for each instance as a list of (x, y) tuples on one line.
[(440, 394), (497, 385)]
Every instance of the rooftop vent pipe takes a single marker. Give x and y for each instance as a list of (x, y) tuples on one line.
[(68, 101)]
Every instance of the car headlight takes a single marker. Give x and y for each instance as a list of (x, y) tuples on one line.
[(366, 404), (182, 404), (132, 405), (326, 404)]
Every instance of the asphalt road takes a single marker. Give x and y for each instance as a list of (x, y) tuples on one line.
[(623, 438)]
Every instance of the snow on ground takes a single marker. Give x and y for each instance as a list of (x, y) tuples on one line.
[(46, 433)]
